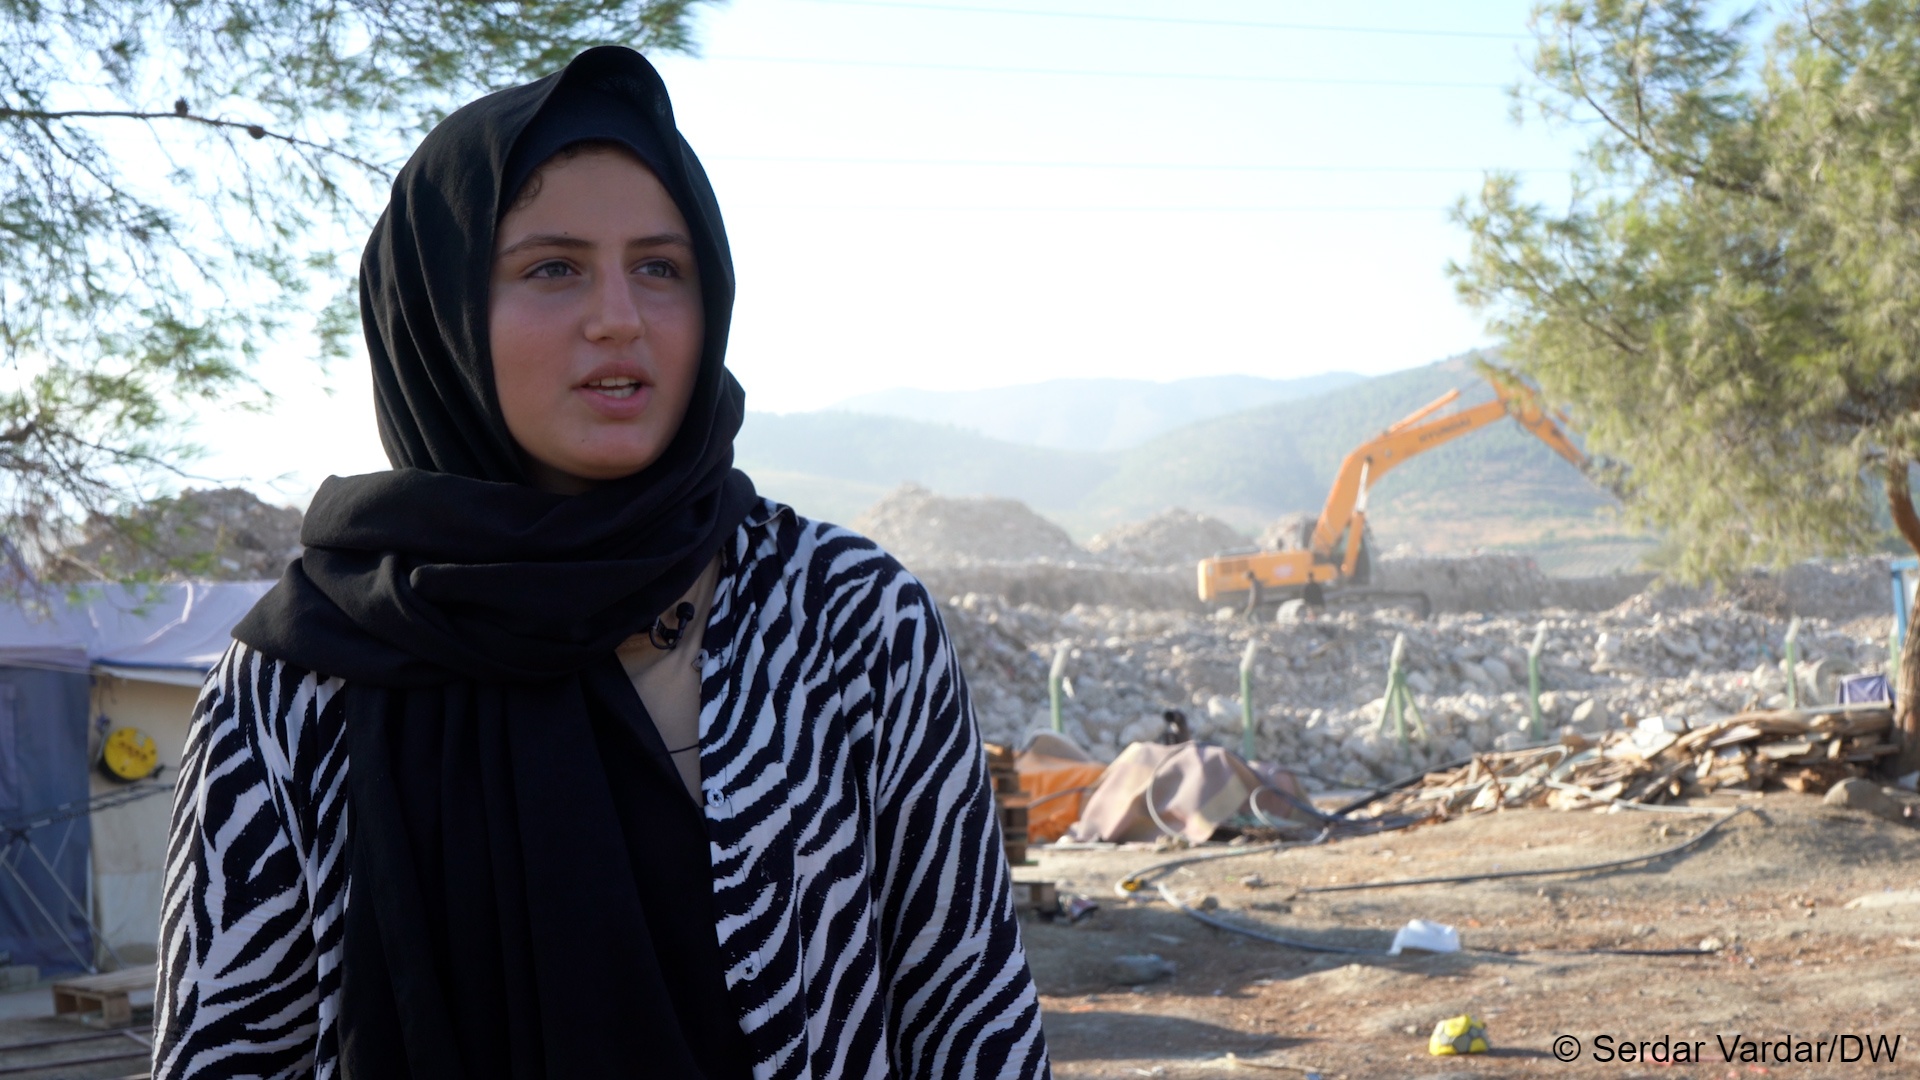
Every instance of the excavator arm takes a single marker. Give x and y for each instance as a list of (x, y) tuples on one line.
[(1343, 517), (1346, 505)]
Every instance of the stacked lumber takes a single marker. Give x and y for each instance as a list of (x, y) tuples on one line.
[(1010, 801), (1806, 751)]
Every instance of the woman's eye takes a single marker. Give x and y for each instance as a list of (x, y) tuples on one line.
[(658, 268), (551, 269)]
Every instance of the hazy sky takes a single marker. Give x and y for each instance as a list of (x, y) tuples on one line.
[(982, 192)]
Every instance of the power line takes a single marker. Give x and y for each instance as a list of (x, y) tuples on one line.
[(1170, 166), (888, 208), (1195, 76), (1168, 20)]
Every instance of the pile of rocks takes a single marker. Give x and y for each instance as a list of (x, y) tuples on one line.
[(224, 534), (1318, 684), (924, 530), (1171, 539)]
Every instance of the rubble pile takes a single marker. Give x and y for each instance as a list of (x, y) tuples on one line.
[(924, 530), (1171, 539), (224, 534), (1470, 583), (1318, 685)]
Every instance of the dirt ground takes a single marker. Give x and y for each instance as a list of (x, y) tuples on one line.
[(1771, 886)]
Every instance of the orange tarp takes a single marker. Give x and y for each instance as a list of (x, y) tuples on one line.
[(1050, 771)]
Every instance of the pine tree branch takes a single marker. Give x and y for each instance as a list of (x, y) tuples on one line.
[(255, 131), (1678, 164)]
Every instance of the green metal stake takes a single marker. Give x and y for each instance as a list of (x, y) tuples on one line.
[(1054, 676), (1246, 698), (1388, 713), (1538, 728), (1399, 702), (1893, 653), (1793, 663)]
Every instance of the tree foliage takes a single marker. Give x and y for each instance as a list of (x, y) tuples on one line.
[(1730, 301), (174, 176)]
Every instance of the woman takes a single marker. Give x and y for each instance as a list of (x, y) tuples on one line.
[(560, 753)]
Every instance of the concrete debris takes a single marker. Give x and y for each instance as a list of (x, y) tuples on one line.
[(225, 534), (1862, 794), (1174, 539), (1318, 683), (924, 530)]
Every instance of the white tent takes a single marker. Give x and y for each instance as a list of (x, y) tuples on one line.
[(172, 633), (147, 650)]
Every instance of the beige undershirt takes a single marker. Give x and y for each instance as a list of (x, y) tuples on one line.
[(668, 682)]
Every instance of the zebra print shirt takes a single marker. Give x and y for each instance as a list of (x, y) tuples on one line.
[(862, 901)]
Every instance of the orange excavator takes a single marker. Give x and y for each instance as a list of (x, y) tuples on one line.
[(1335, 558)]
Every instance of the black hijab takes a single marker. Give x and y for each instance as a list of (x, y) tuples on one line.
[(530, 884)]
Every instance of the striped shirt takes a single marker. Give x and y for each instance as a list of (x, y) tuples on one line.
[(862, 902)]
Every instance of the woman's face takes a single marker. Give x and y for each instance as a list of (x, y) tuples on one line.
[(595, 320)]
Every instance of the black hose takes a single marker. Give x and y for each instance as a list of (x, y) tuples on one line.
[(1501, 875)]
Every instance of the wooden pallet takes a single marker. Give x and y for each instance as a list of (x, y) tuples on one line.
[(110, 995), (1041, 896), (1012, 802)]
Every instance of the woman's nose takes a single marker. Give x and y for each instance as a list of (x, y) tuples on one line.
[(616, 314)]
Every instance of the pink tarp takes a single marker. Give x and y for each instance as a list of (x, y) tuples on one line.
[(1195, 788)]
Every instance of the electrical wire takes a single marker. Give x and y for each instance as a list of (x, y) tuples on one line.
[(1171, 20), (843, 208), (1090, 73), (1146, 166)]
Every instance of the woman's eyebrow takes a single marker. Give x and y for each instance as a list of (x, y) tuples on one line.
[(576, 243)]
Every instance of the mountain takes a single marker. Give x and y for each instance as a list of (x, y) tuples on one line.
[(1496, 488), (1091, 414), (835, 464)]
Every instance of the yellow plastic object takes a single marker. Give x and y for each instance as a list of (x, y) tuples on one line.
[(1458, 1035), (129, 754)]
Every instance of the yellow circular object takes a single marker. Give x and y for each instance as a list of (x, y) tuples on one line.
[(129, 754), (1458, 1035)]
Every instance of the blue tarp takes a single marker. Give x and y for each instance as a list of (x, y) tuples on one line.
[(1863, 689), (43, 852)]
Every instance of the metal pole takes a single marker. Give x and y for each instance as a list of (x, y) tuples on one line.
[(1539, 727), (1054, 675), (1793, 663), (1246, 698), (1396, 691)]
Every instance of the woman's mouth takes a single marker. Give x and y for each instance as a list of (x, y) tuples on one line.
[(619, 386)]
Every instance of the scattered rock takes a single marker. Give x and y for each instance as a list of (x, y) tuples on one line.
[(1857, 793), (1173, 538), (1135, 970), (1590, 717)]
